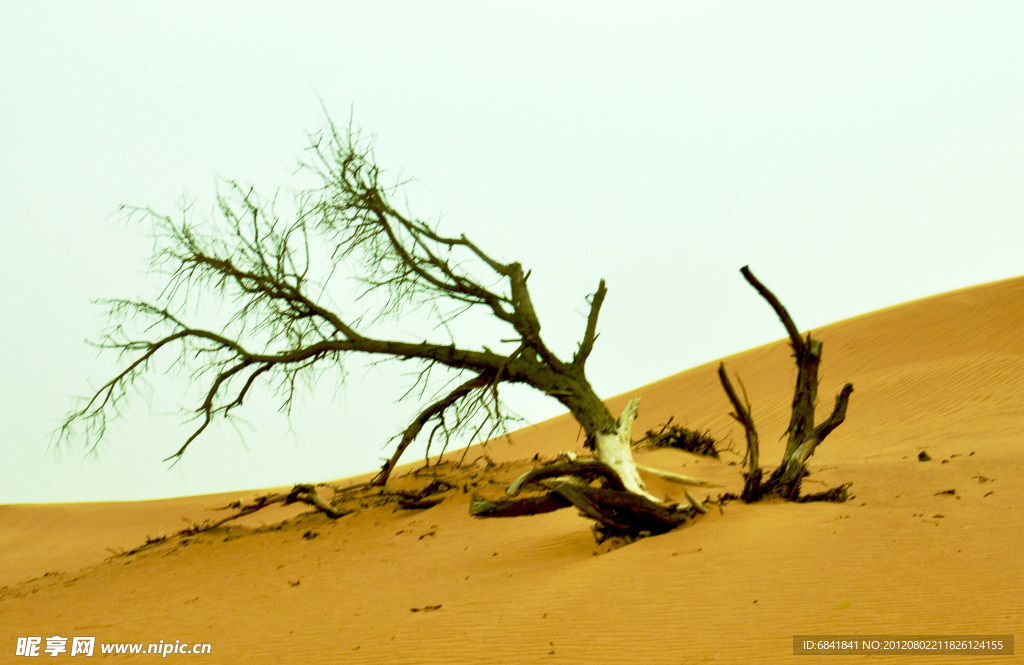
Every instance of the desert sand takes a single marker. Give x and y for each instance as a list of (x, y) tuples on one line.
[(943, 375)]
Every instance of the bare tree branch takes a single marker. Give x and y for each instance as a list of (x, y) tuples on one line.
[(434, 411), (741, 413), (837, 417), (780, 311), (590, 335)]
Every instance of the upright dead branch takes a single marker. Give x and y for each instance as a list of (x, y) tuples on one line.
[(802, 436), (741, 413)]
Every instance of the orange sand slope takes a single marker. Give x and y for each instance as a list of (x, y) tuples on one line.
[(944, 374)]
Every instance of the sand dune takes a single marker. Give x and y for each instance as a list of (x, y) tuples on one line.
[(944, 375)]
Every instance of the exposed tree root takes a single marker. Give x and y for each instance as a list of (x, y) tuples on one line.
[(534, 505), (300, 493), (421, 499), (307, 494), (586, 470), (840, 494), (620, 504)]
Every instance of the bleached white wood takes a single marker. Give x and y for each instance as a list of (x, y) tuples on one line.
[(616, 450), (676, 477)]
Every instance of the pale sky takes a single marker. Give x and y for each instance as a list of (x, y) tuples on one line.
[(856, 155)]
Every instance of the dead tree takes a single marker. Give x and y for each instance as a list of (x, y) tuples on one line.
[(273, 280), (803, 437)]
